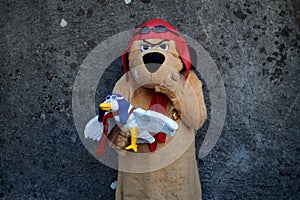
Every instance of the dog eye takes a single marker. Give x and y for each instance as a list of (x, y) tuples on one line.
[(164, 47), (145, 47)]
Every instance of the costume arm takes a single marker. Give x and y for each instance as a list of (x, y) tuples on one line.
[(201, 113), (187, 97)]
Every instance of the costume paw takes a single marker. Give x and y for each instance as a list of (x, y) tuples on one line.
[(118, 138), (173, 87), (120, 142)]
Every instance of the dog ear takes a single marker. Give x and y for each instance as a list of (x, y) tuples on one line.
[(193, 55), (123, 111), (193, 60)]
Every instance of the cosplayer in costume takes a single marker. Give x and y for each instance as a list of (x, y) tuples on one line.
[(159, 78)]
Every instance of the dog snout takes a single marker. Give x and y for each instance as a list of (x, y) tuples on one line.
[(153, 61)]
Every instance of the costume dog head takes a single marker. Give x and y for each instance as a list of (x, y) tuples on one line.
[(156, 50)]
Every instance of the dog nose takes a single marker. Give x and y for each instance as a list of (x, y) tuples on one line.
[(153, 61)]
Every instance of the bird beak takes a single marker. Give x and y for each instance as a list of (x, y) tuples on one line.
[(105, 106)]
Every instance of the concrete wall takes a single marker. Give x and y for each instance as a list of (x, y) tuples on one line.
[(255, 45)]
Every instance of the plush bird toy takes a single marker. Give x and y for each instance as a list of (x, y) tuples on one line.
[(142, 124)]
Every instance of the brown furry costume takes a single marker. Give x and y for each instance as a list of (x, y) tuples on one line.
[(180, 179)]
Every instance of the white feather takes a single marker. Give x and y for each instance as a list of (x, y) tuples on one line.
[(93, 129), (154, 122), (144, 136)]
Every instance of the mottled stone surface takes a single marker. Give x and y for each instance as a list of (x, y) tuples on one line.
[(255, 45)]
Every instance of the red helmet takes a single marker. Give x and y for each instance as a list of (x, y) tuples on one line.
[(159, 29)]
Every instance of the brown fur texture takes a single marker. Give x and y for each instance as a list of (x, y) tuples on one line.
[(180, 179)]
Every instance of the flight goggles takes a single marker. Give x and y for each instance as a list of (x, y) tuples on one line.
[(156, 29), (113, 97)]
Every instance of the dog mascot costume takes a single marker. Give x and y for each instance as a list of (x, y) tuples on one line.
[(158, 88), (159, 77)]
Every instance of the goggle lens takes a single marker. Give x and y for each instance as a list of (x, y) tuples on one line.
[(157, 29)]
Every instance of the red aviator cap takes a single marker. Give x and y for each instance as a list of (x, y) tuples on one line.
[(159, 29)]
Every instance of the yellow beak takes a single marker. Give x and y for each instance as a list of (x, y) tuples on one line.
[(105, 106)]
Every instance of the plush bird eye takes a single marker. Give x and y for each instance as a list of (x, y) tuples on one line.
[(145, 47), (164, 47)]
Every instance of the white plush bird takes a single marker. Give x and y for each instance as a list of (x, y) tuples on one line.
[(139, 122)]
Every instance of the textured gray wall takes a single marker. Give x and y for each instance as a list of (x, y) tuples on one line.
[(255, 45)]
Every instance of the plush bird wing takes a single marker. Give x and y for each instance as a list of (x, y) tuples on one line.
[(93, 129), (144, 136), (154, 121)]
